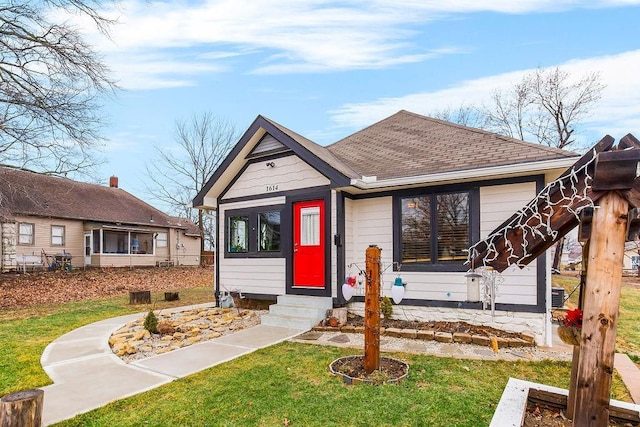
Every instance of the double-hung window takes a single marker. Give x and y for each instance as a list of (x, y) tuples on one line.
[(253, 232), (433, 231), (26, 233), (57, 235), (161, 240)]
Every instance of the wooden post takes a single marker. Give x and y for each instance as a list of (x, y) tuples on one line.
[(600, 313), (571, 399), (372, 310), (22, 409)]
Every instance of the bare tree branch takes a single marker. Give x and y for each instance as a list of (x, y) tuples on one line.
[(547, 105), (463, 115), (51, 82), (179, 172)]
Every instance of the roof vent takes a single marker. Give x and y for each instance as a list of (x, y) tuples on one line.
[(113, 181)]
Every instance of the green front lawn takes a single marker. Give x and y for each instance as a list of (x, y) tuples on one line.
[(287, 384), (291, 381), (628, 336)]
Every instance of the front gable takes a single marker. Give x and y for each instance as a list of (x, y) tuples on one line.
[(263, 143), (274, 175)]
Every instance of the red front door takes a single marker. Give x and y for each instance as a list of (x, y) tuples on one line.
[(308, 244)]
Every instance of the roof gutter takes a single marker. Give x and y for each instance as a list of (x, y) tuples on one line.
[(371, 183)]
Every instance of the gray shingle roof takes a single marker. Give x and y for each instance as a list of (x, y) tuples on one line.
[(29, 193), (319, 151), (407, 144)]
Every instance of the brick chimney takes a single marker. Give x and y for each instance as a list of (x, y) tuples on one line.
[(113, 182)]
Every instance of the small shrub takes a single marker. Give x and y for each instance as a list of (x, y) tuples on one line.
[(165, 328), (386, 307), (151, 322)]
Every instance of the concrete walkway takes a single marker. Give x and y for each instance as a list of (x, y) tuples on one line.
[(87, 375)]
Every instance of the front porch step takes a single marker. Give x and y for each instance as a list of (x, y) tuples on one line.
[(297, 311)]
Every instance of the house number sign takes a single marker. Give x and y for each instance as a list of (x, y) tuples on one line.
[(272, 187)]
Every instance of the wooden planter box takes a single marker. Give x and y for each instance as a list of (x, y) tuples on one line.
[(513, 403)]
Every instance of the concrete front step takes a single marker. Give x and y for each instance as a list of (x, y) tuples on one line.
[(324, 303), (291, 322), (297, 311)]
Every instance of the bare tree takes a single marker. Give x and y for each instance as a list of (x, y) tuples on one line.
[(178, 173), (51, 82), (547, 105), (465, 115)]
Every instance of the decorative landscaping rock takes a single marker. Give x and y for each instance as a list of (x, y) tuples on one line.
[(408, 333), (425, 335), (393, 332), (481, 340), (133, 342), (462, 337), (444, 337)]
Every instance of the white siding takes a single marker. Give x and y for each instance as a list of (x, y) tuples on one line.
[(349, 232), (289, 173), (497, 203), (371, 223), (253, 275), (250, 275)]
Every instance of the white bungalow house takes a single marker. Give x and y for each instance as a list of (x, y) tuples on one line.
[(295, 218)]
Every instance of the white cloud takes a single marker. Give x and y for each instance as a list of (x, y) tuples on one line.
[(617, 113), (297, 36)]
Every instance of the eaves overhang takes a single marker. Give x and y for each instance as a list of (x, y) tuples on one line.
[(516, 169)]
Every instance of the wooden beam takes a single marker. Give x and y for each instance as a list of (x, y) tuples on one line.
[(616, 170), (372, 310), (628, 141), (600, 313), (633, 194), (562, 221)]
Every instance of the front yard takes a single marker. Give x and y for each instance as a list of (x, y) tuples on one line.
[(287, 384)]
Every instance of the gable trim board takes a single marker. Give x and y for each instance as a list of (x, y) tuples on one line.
[(260, 126), (361, 210)]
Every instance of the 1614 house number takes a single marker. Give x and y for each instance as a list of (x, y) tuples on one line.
[(272, 187)]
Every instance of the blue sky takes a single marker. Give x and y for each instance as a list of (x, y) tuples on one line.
[(326, 69)]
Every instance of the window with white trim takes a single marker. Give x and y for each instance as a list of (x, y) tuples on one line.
[(161, 240), (26, 233), (57, 235)]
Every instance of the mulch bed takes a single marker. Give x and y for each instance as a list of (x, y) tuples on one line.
[(450, 327), (390, 370)]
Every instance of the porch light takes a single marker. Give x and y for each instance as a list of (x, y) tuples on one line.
[(397, 290), (473, 286)]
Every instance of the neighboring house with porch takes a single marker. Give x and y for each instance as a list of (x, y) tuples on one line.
[(295, 218), (46, 218)]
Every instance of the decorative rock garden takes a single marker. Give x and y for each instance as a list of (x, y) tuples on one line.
[(178, 329)]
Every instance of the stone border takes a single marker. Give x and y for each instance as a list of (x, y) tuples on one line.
[(526, 339)]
